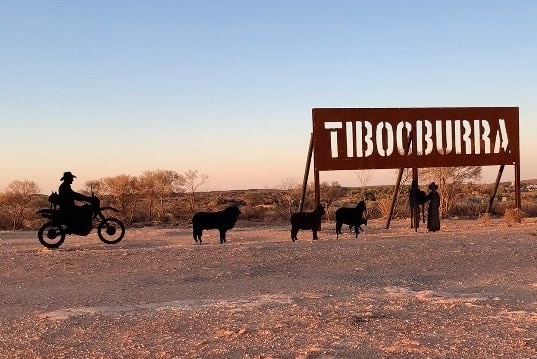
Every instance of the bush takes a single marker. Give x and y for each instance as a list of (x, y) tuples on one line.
[(529, 208), (5, 222), (513, 216), (485, 218), (254, 213), (467, 210)]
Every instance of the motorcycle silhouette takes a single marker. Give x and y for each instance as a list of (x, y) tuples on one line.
[(52, 233)]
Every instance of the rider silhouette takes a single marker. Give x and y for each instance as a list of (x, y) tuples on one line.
[(77, 217)]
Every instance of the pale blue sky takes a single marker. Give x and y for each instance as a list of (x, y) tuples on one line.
[(227, 87)]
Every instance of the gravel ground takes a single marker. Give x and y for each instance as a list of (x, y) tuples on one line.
[(468, 291)]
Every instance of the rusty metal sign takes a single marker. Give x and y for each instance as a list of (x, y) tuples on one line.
[(381, 138)]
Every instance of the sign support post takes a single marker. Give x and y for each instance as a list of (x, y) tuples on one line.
[(306, 174)]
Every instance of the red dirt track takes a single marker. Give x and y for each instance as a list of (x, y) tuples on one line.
[(468, 291)]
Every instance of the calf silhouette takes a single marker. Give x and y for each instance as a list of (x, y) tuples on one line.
[(307, 220), (354, 217), (221, 220)]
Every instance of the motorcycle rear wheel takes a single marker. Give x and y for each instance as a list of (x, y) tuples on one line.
[(111, 230), (51, 235)]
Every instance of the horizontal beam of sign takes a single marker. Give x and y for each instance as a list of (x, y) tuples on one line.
[(369, 138)]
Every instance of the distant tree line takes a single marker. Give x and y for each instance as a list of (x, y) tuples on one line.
[(144, 198), (165, 197)]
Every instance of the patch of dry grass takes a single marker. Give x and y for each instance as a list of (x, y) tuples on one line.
[(513, 216)]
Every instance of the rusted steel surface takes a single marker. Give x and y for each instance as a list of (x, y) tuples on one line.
[(378, 138)]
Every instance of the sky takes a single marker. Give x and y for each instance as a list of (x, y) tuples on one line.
[(226, 88)]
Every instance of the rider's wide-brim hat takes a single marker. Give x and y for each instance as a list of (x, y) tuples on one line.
[(67, 175)]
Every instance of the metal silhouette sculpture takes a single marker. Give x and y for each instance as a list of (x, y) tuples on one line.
[(307, 221), (354, 217), (433, 213), (416, 198), (221, 220), (66, 217)]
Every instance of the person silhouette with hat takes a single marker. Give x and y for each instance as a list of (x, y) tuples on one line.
[(77, 217), (433, 213)]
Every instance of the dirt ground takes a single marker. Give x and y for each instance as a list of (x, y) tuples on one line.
[(468, 291)]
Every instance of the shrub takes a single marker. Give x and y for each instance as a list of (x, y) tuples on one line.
[(485, 218), (529, 208), (513, 215), (254, 213), (467, 210)]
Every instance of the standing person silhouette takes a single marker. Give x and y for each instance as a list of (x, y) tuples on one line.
[(78, 217), (433, 213)]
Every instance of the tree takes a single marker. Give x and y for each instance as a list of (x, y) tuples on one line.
[(364, 178), (331, 192), (93, 186), (122, 190), (16, 199), (192, 182), (287, 197), (449, 181), (155, 185)]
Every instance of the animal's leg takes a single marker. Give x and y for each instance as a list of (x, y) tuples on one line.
[(197, 235), (315, 234), (356, 230), (423, 212), (294, 232), (222, 236), (416, 217), (338, 229)]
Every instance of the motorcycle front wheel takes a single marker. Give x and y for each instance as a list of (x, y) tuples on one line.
[(111, 230), (51, 235)]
